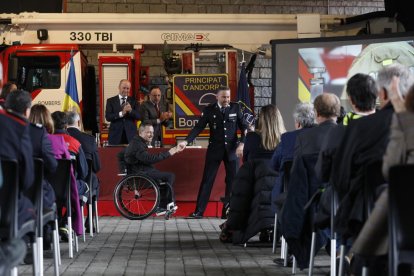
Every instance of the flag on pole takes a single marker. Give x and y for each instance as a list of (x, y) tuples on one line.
[(243, 96), (71, 101)]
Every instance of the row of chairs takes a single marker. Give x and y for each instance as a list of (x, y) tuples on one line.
[(401, 226), (34, 228)]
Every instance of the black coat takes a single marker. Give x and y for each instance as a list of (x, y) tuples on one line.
[(138, 158), (296, 222), (223, 130), (250, 209), (90, 149), (88, 145), (15, 144), (42, 148), (119, 124), (364, 142)]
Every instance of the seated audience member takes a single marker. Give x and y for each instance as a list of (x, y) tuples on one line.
[(365, 141), (303, 183), (373, 238), (261, 143), (75, 149), (89, 147), (304, 117), (362, 94), (40, 115), (16, 144), (250, 211), (7, 88), (139, 159), (60, 121)]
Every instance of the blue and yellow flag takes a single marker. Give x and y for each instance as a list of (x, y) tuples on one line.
[(71, 101)]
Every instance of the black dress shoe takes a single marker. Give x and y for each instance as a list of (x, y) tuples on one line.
[(195, 215)]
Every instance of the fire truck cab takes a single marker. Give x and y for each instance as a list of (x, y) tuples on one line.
[(37, 47)]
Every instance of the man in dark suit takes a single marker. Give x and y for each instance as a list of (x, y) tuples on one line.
[(122, 112), (224, 118), (139, 159), (16, 144), (155, 112)]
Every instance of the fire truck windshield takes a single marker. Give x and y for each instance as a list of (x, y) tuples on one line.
[(38, 72)]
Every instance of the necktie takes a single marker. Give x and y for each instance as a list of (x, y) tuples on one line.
[(123, 101), (223, 110), (157, 108)]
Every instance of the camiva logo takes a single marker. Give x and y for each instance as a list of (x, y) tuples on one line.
[(185, 36)]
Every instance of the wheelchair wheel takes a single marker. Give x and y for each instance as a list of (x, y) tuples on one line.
[(136, 196)]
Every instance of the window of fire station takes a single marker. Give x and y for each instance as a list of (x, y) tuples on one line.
[(38, 72)]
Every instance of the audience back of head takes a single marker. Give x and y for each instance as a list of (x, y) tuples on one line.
[(72, 118), (304, 115), (39, 114), (362, 91), (327, 106), (19, 101), (385, 77), (270, 126), (60, 120)]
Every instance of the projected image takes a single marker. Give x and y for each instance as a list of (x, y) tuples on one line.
[(327, 69)]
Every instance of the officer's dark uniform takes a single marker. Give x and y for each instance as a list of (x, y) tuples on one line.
[(15, 144), (222, 146), (42, 148)]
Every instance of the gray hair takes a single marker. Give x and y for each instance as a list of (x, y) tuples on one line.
[(142, 127), (304, 114), (386, 74), (72, 117)]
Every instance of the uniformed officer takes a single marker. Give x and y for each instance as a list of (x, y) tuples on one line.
[(224, 118)]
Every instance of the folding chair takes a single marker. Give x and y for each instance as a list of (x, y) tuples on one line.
[(401, 225), (44, 217), (372, 179), (60, 181), (286, 166), (92, 201), (9, 194)]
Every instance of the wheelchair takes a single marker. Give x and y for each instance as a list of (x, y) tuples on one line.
[(137, 196)]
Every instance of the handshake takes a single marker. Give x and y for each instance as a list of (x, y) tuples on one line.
[(164, 116), (175, 150), (182, 145)]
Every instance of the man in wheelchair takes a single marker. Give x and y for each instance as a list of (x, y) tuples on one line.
[(137, 159)]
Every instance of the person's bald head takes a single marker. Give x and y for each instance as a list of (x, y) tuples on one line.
[(327, 106)]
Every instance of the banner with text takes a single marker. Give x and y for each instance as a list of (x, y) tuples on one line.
[(191, 94)]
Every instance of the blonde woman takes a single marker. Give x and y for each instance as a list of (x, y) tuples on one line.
[(261, 143)]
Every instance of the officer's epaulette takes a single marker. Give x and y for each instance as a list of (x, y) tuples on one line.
[(16, 117)]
